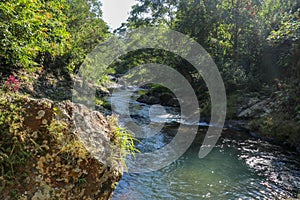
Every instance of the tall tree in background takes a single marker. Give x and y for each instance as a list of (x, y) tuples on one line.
[(151, 13), (286, 38), (234, 32), (86, 27)]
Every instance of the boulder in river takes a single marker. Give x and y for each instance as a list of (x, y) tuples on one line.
[(173, 102), (151, 100)]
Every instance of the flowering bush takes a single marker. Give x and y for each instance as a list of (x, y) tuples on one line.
[(12, 84)]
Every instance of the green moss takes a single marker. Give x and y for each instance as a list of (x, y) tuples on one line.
[(13, 138), (160, 89), (103, 103), (142, 92), (21, 147)]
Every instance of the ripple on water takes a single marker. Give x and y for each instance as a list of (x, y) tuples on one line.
[(237, 168), (233, 170)]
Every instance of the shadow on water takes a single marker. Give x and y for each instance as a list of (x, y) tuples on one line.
[(239, 167)]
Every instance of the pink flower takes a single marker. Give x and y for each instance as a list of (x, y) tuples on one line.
[(12, 83)]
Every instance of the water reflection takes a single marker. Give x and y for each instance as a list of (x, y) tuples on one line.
[(237, 168)]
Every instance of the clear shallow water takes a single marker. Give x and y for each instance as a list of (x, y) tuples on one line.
[(243, 168), (239, 167)]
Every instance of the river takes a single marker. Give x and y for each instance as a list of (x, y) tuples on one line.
[(239, 167)]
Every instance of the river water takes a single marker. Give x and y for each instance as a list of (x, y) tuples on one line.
[(239, 167)]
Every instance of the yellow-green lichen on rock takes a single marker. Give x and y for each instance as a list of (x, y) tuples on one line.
[(45, 155)]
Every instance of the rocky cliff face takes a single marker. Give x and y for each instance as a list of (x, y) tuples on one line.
[(67, 156)]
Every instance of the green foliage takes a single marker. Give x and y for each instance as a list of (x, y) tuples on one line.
[(239, 35), (151, 13), (124, 141), (283, 122), (232, 101), (52, 33), (287, 38), (29, 28), (279, 127), (254, 44), (13, 141), (289, 29), (87, 30), (81, 182)]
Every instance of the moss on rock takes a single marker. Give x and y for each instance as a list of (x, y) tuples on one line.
[(43, 157)]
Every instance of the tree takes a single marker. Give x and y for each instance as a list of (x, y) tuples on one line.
[(28, 28), (287, 39), (86, 28), (234, 32)]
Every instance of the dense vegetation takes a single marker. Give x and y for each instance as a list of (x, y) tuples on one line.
[(255, 44), (54, 33), (250, 41), (42, 44)]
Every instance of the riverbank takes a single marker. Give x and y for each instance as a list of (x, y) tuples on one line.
[(42, 154)]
